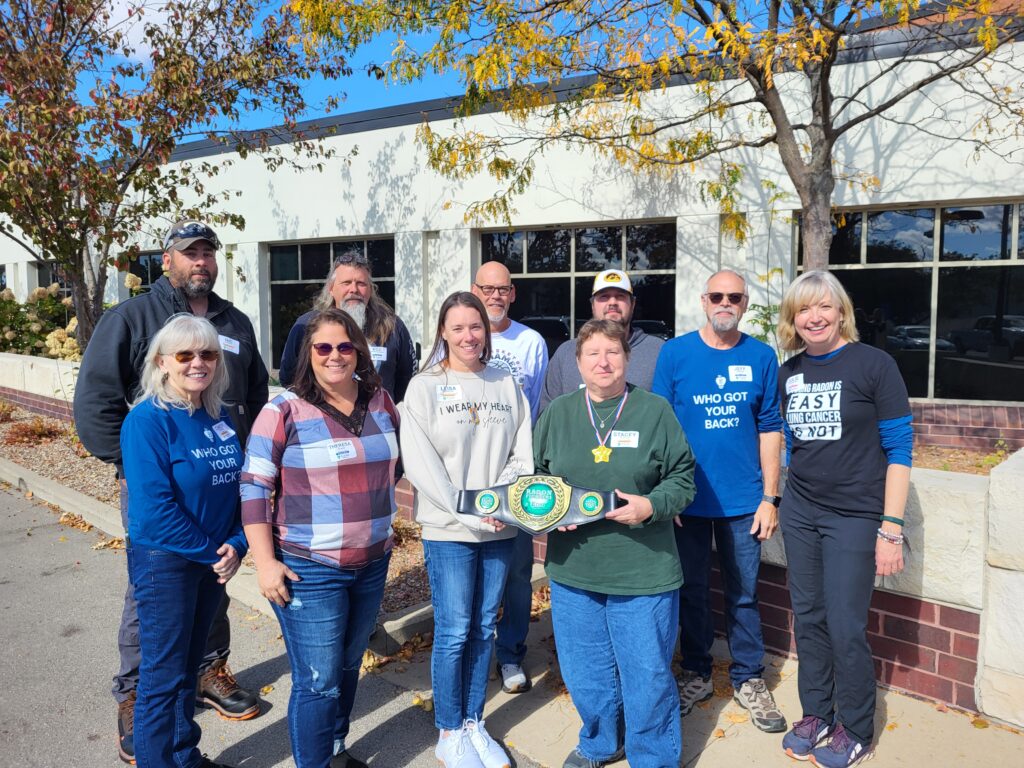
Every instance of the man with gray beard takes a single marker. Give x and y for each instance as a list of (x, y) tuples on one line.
[(723, 387), (349, 287)]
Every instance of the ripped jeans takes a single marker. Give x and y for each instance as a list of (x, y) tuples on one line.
[(326, 627)]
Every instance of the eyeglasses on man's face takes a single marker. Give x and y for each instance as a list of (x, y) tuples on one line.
[(487, 290), (716, 297)]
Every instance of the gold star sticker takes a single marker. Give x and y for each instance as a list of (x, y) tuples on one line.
[(602, 453)]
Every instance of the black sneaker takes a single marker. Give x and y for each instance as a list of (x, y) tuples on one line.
[(208, 763), (219, 689), (345, 760), (126, 729), (576, 760)]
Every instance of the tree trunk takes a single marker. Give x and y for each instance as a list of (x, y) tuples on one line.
[(816, 227), (87, 293)]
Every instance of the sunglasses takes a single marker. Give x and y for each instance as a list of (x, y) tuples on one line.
[(344, 348), (734, 298), (206, 355)]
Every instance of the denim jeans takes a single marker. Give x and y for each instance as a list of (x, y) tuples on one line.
[(739, 559), (514, 625), (177, 599), (466, 583), (218, 645), (831, 561), (326, 628), (615, 652)]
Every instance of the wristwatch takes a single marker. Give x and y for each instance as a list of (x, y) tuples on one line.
[(773, 500)]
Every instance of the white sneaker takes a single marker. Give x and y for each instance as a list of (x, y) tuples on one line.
[(487, 749), (456, 751), (514, 679)]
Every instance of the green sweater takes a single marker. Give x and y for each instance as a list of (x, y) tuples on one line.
[(606, 556)]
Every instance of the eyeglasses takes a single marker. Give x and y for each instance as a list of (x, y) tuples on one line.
[(734, 298), (344, 348), (206, 355), (487, 290)]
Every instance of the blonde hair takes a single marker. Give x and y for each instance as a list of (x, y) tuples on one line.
[(182, 332), (810, 288)]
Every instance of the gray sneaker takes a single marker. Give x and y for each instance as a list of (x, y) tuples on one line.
[(576, 760), (755, 697), (693, 688)]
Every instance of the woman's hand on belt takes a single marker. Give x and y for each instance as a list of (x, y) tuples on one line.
[(633, 512), (228, 564), (888, 558), (271, 576)]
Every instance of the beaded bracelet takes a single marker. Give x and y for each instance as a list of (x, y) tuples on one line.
[(892, 538), (890, 519)]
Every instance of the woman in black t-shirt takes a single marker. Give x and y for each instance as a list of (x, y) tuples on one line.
[(849, 441)]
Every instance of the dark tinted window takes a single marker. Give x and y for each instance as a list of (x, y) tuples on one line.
[(981, 317), (506, 247), (978, 233), (846, 237), (900, 236), (598, 248), (288, 301), (650, 246), (284, 262), (893, 309), (381, 254), (548, 250), (316, 260)]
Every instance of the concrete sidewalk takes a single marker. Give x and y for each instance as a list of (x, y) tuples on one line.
[(542, 725)]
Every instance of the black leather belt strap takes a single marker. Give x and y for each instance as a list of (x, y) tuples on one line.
[(539, 503)]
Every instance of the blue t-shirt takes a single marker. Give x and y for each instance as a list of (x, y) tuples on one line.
[(182, 473), (724, 399), (833, 406)]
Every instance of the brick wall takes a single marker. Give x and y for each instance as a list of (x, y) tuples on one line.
[(919, 647), (978, 427), (47, 406)]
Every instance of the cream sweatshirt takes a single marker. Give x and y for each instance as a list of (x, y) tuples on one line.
[(462, 431)]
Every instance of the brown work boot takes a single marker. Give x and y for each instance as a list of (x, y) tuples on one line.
[(126, 729), (219, 689)]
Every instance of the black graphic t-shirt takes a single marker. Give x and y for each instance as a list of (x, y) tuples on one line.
[(832, 408)]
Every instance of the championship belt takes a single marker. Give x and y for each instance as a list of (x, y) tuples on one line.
[(538, 503)]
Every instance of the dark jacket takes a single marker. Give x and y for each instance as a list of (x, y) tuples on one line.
[(395, 371), (109, 376)]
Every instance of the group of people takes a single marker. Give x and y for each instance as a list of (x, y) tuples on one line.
[(687, 435)]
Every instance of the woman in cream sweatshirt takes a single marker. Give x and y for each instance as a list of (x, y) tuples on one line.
[(465, 426)]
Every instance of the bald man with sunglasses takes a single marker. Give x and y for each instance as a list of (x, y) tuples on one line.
[(107, 382)]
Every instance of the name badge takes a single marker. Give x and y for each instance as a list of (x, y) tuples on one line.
[(224, 432), (449, 393), (624, 439), (794, 383), (228, 344), (340, 450), (740, 373), (378, 354)]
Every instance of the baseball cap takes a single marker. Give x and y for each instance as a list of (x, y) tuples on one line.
[(184, 233), (612, 278)]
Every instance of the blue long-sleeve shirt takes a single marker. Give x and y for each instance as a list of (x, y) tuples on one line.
[(182, 472)]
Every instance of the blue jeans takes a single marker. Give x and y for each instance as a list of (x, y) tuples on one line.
[(510, 644), (177, 600), (615, 652), (739, 559), (466, 584), (326, 628), (218, 644)]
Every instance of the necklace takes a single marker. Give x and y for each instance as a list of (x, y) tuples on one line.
[(603, 453)]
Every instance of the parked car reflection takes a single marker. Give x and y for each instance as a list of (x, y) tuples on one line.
[(915, 337), (982, 337)]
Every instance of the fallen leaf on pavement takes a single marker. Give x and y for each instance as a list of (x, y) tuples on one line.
[(719, 733), (266, 689), (892, 726), (114, 543), (29, 495), (70, 520), (941, 707), (979, 722), (737, 717)]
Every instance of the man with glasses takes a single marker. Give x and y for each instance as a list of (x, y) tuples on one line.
[(522, 352), (611, 299), (107, 382), (349, 287), (723, 386)]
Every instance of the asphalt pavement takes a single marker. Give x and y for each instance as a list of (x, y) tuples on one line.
[(60, 601)]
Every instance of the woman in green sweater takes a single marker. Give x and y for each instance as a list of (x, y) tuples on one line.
[(615, 582)]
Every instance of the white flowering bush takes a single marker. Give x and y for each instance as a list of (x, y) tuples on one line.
[(27, 328)]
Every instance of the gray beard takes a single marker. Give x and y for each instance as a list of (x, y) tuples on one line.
[(357, 311), (197, 290), (497, 319), (722, 326)]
